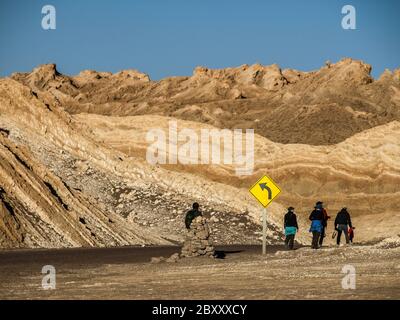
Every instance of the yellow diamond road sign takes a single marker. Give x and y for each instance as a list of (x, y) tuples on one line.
[(265, 191)]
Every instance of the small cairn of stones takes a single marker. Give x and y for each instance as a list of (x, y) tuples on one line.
[(198, 242)]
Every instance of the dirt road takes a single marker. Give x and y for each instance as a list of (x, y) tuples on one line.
[(126, 273)]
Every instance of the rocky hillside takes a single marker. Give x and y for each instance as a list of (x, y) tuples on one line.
[(361, 172), (59, 187), (73, 170)]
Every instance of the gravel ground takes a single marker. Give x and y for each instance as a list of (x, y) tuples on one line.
[(126, 273)]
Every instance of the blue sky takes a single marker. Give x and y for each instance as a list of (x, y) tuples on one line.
[(168, 38)]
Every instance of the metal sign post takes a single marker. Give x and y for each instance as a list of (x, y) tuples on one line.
[(264, 235)]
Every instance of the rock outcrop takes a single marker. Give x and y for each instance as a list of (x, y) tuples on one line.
[(38, 209)]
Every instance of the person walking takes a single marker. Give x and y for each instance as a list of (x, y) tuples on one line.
[(342, 224), (324, 222), (291, 228), (316, 217)]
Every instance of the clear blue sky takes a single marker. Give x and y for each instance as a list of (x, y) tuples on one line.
[(166, 38)]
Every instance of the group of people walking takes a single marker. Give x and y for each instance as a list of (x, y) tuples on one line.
[(319, 222)]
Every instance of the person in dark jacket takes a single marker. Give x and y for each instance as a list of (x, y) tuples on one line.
[(316, 217), (324, 223), (342, 223), (192, 214), (291, 227)]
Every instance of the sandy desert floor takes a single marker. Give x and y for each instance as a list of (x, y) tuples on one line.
[(126, 273)]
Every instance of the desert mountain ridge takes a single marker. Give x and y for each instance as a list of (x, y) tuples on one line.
[(73, 170), (282, 105)]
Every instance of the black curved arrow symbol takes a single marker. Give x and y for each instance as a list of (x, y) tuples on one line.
[(264, 186)]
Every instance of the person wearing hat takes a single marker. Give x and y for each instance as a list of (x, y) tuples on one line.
[(324, 222), (291, 228), (317, 218)]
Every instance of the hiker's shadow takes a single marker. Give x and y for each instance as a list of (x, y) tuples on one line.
[(221, 254)]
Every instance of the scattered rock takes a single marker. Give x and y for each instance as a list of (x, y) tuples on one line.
[(389, 243), (174, 258), (157, 259)]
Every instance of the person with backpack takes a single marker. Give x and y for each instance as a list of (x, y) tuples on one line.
[(316, 217), (324, 222), (291, 228), (342, 223), (192, 214)]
